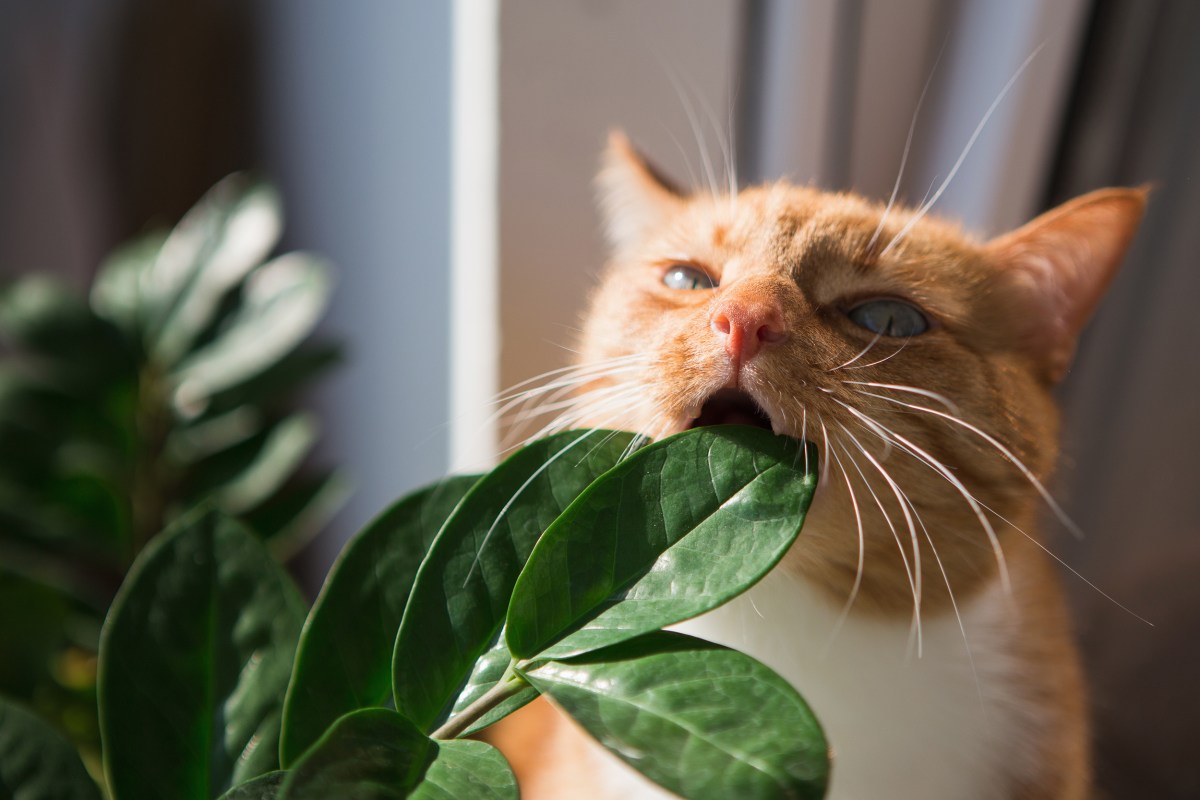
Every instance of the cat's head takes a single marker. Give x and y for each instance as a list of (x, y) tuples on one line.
[(918, 359)]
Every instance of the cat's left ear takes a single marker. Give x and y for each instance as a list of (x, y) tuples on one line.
[(1061, 263), (634, 197)]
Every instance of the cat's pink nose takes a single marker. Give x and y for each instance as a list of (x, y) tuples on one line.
[(746, 324)]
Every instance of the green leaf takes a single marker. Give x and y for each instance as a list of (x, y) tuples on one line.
[(117, 291), (287, 374), (236, 216), (229, 233), (299, 511), (677, 529), (465, 769), (264, 787), (378, 754), (194, 661), (77, 347), (456, 612), (372, 753), (256, 469), (37, 762), (281, 302), (697, 718), (344, 660)]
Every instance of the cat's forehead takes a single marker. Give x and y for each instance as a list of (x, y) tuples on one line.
[(788, 227)]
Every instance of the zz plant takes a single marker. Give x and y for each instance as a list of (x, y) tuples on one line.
[(172, 384), (553, 574)]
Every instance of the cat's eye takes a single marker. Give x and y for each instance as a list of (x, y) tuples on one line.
[(684, 276), (888, 317)]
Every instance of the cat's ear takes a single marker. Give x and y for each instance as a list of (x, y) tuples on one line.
[(634, 197), (1061, 263)]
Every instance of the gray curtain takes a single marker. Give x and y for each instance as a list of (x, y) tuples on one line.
[(1133, 437)]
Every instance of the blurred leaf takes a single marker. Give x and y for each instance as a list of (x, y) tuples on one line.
[(118, 286), (376, 753), (703, 721), (77, 347), (287, 374), (264, 787), (282, 302), (344, 660), (461, 592), (32, 615), (208, 436), (229, 230), (675, 530), (274, 457), (238, 232), (299, 511), (194, 661), (36, 762)]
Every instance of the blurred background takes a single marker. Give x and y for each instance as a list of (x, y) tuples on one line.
[(441, 156)]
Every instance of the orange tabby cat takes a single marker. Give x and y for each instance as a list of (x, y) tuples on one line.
[(917, 612)]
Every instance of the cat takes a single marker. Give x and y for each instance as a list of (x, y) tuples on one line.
[(918, 612)]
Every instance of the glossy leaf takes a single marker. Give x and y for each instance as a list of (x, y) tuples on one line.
[(467, 770), (194, 662), (344, 659), (456, 612), (37, 762), (281, 303), (677, 529), (376, 753), (264, 787), (701, 720)]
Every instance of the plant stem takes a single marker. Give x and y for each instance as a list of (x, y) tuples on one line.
[(509, 685)]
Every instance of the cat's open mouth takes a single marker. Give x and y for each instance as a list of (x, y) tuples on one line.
[(731, 407)]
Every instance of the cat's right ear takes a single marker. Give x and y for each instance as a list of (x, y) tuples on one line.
[(634, 197)]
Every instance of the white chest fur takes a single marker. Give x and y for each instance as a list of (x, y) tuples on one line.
[(900, 726)]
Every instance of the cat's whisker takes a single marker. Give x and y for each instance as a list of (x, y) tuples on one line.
[(1004, 451), (912, 127), (591, 409), (884, 432), (1072, 570), (697, 132), (900, 387), (893, 354), (608, 409), (858, 572), (571, 375), (687, 160), (908, 226), (557, 405), (532, 404), (914, 573), (804, 437), (962, 628), (825, 461), (861, 353), (725, 143)]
